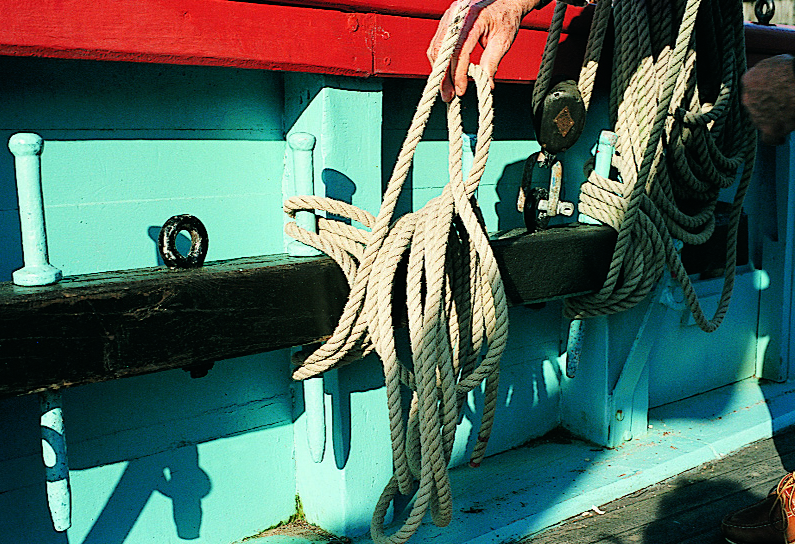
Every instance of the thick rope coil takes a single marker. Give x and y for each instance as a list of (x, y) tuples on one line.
[(457, 309), (680, 142)]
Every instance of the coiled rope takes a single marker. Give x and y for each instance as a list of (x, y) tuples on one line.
[(681, 139), (457, 310)]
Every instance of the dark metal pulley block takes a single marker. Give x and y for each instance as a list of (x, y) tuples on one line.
[(558, 121)]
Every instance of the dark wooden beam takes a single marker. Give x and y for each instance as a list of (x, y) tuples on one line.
[(105, 326), (554, 263)]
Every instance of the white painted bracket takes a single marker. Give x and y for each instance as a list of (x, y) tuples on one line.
[(302, 182), (629, 400), (53, 444), (468, 154), (315, 413)]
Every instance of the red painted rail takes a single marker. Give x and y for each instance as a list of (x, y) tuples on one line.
[(350, 37)]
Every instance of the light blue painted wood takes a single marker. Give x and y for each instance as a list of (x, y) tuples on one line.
[(150, 462), (10, 243), (525, 490), (106, 200), (339, 493), (585, 399), (605, 150), (629, 398), (344, 114), (165, 458), (529, 390), (711, 360), (769, 206), (159, 458), (115, 100)]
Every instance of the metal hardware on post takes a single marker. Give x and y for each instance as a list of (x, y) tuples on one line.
[(167, 242), (764, 11), (53, 443), (302, 182), (27, 149), (554, 206), (539, 203)]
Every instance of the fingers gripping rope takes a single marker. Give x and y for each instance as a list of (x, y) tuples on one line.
[(461, 310)]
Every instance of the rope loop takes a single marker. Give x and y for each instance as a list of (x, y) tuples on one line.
[(457, 308), (679, 144)]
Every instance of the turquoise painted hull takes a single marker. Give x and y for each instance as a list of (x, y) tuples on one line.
[(167, 458)]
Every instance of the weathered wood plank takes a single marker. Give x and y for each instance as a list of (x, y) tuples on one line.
[(688, 508), (105, 326), (554, 263)]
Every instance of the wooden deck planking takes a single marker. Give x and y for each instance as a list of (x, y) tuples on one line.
[(685, 509)]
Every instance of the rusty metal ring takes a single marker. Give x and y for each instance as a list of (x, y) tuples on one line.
[(166, 242)]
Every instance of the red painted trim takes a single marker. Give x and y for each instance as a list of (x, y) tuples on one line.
[(400, 50), (204, 32), (252, 35), (434, 9), (349, 37)]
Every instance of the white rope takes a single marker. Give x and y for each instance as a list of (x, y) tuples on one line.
[(457, 309), (677, 147)]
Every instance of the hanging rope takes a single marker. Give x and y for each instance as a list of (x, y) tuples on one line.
[(681, 139), (457, 310)]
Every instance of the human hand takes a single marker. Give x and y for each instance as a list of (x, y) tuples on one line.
[(768, 93), (492, 23)]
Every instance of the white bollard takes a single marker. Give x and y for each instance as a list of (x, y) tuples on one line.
[(315, 413), (27, 150), (302, 182)]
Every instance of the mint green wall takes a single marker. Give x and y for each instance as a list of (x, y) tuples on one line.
[(167, 458), (162, 457)]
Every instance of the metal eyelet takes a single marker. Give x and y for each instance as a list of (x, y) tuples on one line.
[(166, 242), (764, 11)]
